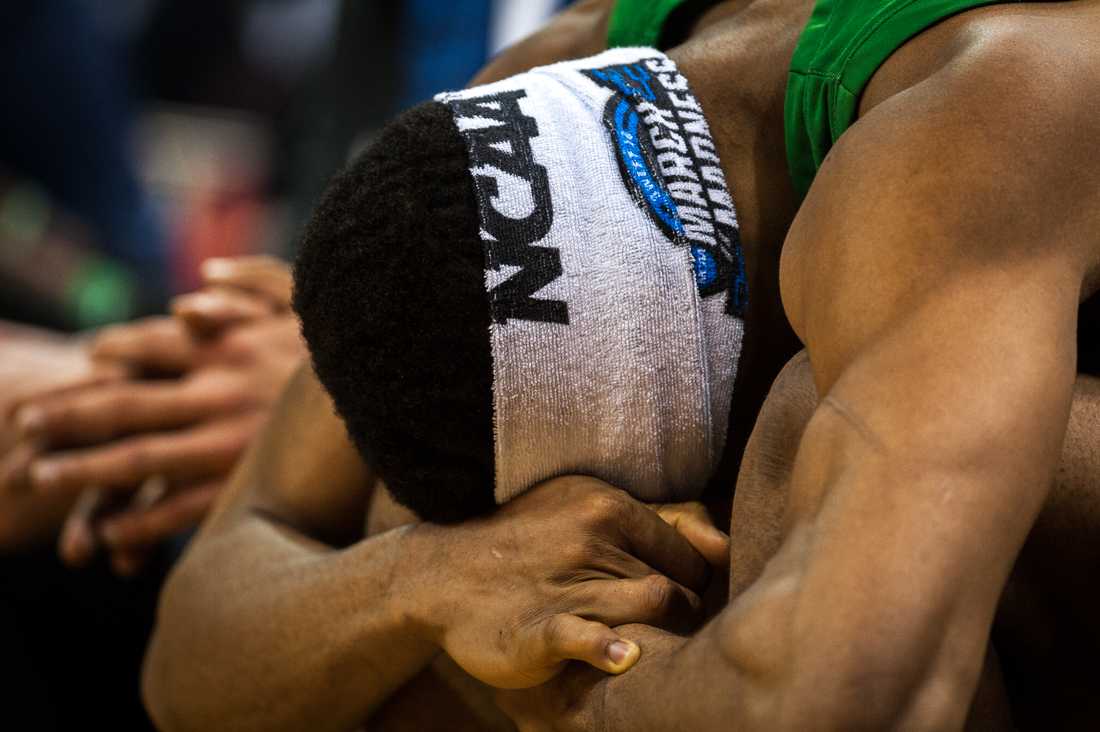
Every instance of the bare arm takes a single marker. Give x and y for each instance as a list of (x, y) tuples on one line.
[(292, 632), (269, 546), (267, 624), (934, 274)]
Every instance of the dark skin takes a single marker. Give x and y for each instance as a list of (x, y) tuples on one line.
[(891, 504), (1035, 674), (939, 304), (1038, 668), (316, 607), (287, 541)]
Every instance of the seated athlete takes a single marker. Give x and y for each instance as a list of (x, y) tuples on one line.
[(1038, 672), (550, 632), (539, 310), (860, 555), (946, 293)]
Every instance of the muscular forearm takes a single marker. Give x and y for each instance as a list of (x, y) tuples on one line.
[(294, 635), (875, 612), (941, 332), (911, 495), (889, 658), (264, 625)]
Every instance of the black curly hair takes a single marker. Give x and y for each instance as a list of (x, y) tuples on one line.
[(389, 285)]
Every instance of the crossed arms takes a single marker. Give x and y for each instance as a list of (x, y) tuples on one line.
[(934, 274)]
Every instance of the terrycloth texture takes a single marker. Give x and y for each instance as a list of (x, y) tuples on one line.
[(613, 270)]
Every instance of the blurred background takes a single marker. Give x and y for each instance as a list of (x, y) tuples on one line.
[(140, 137)]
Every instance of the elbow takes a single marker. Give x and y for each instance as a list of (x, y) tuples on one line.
[(154, 691), (167, 666), (157, 691)]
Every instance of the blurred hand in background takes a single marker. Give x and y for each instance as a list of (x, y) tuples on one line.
[(36, 363), (144, 443)]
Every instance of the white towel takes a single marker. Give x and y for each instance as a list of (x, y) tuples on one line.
[(614, 273)]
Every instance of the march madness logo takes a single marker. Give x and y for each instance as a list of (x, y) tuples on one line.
[(670, 164)]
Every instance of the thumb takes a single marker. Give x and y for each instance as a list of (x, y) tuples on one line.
[(560, 638), (693, 522)]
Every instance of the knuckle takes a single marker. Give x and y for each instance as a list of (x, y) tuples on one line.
[(603, 557), (604, 506), (596, 551), (573, 554), (588, 552)]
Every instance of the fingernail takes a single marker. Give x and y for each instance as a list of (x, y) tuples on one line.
[(30, 419), (620, 651), (45, 474)]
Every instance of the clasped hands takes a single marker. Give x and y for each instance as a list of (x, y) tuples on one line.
[(144, 441), (552, 577)]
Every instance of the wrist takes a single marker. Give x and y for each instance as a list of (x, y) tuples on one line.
[(417, 598)]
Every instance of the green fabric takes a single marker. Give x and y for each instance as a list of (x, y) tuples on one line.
[(639, 22), (841, 48)]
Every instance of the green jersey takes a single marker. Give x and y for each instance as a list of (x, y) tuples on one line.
[(841, 48)]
